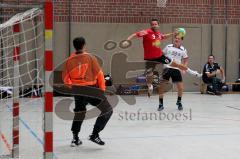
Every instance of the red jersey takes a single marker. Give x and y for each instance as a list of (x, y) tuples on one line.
[(151, 43)]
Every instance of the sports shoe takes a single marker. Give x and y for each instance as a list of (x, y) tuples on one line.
[(160, 107), (210, 92), (194, 73), (96, 139), (150, 90), (76, 142), (199, 75), (180, 107)]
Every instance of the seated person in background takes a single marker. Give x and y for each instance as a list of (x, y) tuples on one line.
[(210, 71)]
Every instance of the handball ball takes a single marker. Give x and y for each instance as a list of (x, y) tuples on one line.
[(181, 32)]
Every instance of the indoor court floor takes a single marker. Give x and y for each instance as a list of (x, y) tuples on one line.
[(207, 128)]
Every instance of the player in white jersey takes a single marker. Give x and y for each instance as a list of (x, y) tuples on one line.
[(178, 53)]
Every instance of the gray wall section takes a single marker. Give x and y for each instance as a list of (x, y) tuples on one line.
[(197, 42), (219, 44), (60, 44), (233, 49)]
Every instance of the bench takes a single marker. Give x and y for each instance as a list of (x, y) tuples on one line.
[(203, 88)]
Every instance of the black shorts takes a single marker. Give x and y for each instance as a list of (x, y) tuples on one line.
[(163, 59), (151, 63), (175, 75)]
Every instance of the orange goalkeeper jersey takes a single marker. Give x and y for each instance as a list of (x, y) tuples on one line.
[(83, 70)]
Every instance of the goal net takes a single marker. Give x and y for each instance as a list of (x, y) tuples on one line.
[(22, 83)]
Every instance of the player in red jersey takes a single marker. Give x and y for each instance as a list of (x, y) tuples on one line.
[(152, 38)]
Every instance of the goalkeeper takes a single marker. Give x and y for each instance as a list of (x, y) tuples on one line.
[(83, 74)]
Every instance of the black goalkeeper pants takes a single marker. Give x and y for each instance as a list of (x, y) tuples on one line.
[(100, 102)]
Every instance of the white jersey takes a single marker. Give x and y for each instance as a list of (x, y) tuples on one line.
[(175, 53)]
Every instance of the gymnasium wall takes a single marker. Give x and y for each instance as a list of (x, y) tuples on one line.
[(102, 20), (197, 42)]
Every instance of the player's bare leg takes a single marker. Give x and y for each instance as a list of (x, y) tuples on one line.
[(149, 79), (160, 107), (185, 68), (180, 93), (180, 66), (163, 86)]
